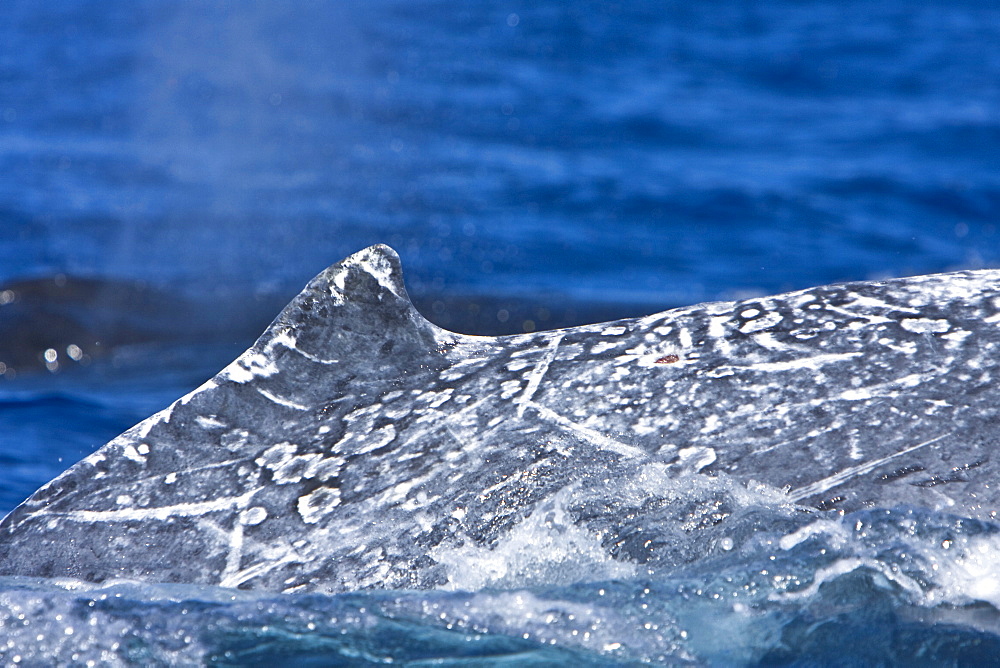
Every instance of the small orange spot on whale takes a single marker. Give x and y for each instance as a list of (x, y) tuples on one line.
[(668, 359)]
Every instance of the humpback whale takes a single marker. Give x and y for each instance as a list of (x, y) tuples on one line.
[(356, 445)]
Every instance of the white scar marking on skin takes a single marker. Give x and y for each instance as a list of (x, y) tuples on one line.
[(248, 366), (814, 362), (925, 325), (315, 358), (283, 338), (870, 391), (209, 422), (872, 319), (196, 469), (761, 323), (872, 302), (685, 338), (258, 569), (131, 453), (163, 417), (235, 555), (161, 512), (232, 576), (536, 375), (767, 340), (287, 339), (281, 400), (587, 434), (837, 479), (717, 332), (206, 386)]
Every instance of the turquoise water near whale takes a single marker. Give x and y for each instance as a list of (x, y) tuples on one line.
[(174, 173)]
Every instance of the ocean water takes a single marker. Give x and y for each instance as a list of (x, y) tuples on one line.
[(173, 173)]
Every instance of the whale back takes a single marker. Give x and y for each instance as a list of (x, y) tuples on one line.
[(357, 445)]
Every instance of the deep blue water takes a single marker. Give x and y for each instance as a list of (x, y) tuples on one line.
[(172, 173)]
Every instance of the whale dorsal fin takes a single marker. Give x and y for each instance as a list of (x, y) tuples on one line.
[(350, 329), (356, 311)]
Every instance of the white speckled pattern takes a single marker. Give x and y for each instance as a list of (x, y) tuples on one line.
[(357, 445)]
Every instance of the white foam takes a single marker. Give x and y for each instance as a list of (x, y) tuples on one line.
[(548, 548)]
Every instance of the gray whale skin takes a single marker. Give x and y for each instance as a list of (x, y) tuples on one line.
[(356, 445)]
